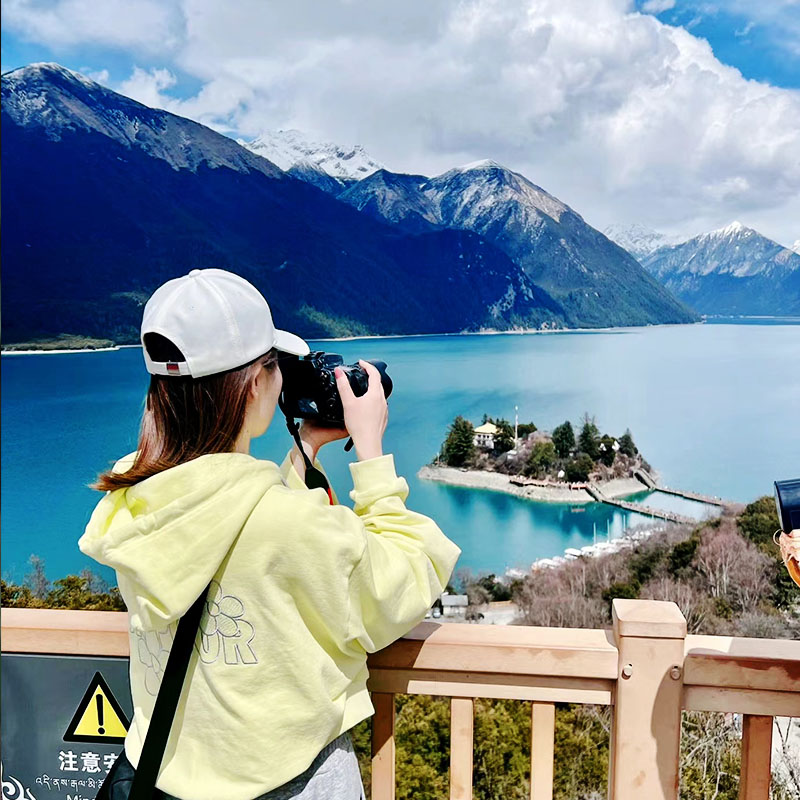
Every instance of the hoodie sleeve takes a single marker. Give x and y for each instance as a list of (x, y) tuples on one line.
[(293, 479), (405, 564)]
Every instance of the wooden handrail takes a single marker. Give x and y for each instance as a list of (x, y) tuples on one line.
[(49, 630), (647, 668)]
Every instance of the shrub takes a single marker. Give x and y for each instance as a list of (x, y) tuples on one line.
[(759, 521), (84, 591), (541, 459), (629, 591), (579, 468), (644, 561), (680, 557)]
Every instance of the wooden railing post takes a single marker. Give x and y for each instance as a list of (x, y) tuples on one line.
[(756, 772), (543, 722), (383, 758), (462, 714), (646, 733)]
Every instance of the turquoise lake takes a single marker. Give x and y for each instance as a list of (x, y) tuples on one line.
[(713, 407)]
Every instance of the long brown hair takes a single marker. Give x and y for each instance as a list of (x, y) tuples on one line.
[(185, 417)]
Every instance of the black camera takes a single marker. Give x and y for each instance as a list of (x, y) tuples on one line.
[(787, 499), (309, 386)]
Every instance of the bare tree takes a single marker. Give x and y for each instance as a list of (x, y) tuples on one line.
[(36, 579), (689, 598)]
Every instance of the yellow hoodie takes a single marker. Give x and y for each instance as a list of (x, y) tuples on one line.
[(302, 591)]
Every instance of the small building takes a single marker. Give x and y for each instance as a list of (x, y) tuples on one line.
[(454, 605), (484, 435), (449, 605)]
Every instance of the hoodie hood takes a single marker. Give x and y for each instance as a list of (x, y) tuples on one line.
[(168, 535)]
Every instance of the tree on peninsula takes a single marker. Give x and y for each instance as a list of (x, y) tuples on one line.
[(564, 439), (589, 438), (607, 452), (504, 438), (459, 447), (541, 459), (626, 445), (579, 469)]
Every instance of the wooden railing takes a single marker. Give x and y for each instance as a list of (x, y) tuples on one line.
[(646, 667)]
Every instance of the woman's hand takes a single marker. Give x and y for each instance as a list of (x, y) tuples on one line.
[(316, 435), (312, 437), (365, 417)]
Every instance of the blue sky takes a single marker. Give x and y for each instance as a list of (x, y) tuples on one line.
[(627, 110), (753, 37)]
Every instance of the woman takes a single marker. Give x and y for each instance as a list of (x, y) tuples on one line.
[(302, 588)]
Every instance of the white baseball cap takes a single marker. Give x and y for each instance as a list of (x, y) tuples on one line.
[(218, 320)]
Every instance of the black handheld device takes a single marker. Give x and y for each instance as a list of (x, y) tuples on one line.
[(309, 386), (787, 500)]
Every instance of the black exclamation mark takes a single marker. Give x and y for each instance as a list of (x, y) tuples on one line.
[(98, 698)]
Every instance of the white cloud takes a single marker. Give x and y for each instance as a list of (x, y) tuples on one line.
[(621, 116), (147, 86), (100, 76), (148, 24), (657, 6)]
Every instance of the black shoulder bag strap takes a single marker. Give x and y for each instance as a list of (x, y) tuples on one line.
[(155, 742)]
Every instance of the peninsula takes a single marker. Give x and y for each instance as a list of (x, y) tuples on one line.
[(555, 466)]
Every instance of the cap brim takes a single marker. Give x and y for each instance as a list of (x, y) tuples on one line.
[(289, 343)]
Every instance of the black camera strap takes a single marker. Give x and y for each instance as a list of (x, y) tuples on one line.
[(314, 479)]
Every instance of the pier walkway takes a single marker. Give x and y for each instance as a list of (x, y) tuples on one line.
[(649, 482), (669, 516)]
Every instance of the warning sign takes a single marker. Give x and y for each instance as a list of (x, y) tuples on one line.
[(99, 717)]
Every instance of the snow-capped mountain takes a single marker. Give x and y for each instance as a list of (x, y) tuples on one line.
[(107, 198), (400, 199), (55, 101), (294, 152), (733, 270), (639, 240), (796, 246), (597, 282)]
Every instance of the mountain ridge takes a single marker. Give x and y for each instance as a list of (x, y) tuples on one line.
[(116, 214), (127, 197), (596, 282), (731, 270)]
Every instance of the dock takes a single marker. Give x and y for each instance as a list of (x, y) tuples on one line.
[(669, 516), (644, 477), (649, 482)]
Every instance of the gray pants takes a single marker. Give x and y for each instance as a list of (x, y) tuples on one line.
[(333, 775)]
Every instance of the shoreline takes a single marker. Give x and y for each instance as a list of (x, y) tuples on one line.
[(67, 351), (500, 482), (629, 539), (488, 332)]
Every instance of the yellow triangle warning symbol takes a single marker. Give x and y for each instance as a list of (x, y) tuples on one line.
[(99, 717)]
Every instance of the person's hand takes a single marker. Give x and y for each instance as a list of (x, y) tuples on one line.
[(312, 437), (317, 435), (365, 417), (790, 552)]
